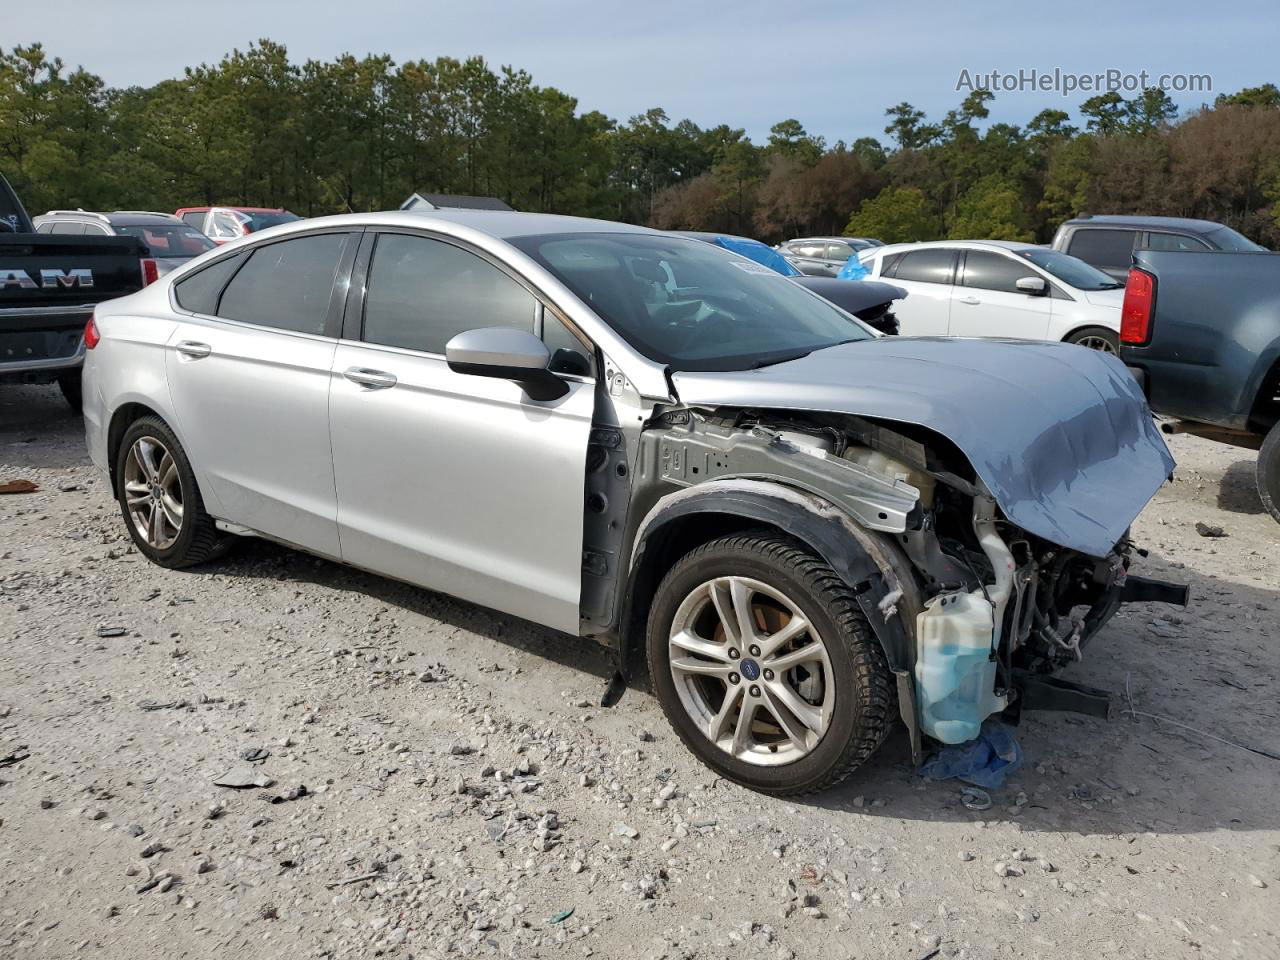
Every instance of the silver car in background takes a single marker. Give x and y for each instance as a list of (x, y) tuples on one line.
[(167, 242), (809, 530)]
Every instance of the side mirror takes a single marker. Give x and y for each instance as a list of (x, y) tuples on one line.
[(1035, 286), (506, 354)]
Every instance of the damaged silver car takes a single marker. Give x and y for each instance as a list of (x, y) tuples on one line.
[(809, 530)]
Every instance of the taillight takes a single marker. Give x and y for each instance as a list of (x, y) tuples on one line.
[(1139, 304), (91, 335), (150, 271)]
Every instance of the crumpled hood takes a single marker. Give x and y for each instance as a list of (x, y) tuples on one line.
[(1061, 435)]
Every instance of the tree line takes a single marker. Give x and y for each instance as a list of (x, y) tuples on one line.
[(354, 134)]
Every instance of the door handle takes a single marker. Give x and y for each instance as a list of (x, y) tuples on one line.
[(373, 379), (971, 301), (192, 349)]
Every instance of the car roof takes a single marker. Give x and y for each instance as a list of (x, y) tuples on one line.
[(116, 218), (1187, 224), (1011, 245), (500, 224), (822, 239), (712, 237), (229, 206), (137, 218)]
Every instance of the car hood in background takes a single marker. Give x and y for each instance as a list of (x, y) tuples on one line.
[(1104, 298), (1061, 435)]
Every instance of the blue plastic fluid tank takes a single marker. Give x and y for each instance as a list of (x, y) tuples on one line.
[(955, 669)]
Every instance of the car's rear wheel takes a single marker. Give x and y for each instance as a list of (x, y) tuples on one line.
[(1096, 338), (765, 666), (159, 499), (1268, 472)]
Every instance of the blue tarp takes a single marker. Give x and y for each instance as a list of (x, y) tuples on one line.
[(985, 761), (853, 270), (759, 252)]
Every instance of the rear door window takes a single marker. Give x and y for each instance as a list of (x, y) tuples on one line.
[(1104, 248), (286, 285), (67, 227), (926, 266)]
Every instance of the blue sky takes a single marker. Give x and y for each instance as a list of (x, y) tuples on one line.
[(833, 66)]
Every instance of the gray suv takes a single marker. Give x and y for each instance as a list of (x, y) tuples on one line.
[(1108, 242), (810, 531), (824, 256)]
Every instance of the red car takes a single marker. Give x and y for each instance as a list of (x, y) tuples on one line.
[(221, 224)]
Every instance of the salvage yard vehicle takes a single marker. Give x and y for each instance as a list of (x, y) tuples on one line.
[(49, 285), (1108, 242), (223, 224), (824, 256), (868, 300), (167, 242), (1201, 333), (809, 530), (998, 288)]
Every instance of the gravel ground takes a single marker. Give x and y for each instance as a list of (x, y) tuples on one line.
[(442, 781)]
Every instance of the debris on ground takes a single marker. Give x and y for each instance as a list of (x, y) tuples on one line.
[(240, 777), (1209, 530), (985, 761), (18, 486)]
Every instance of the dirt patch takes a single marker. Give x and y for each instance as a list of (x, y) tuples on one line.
[(462, 795)]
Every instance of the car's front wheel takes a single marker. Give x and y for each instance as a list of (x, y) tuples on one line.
[(1268, 472), (766, 667), (158, 497)]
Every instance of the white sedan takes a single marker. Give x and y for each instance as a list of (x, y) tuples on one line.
[(995, 288)]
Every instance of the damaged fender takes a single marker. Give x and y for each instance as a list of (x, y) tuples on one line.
[(871, 564)]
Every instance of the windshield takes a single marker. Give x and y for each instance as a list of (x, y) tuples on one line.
[(260, 221), (689, 304), (1230, 240), (173, 240), (1070, 270)]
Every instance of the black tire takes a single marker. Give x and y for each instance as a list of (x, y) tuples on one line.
[(69, 384), (865, 697), (1268, 472), (1096, 334), (198, 540)]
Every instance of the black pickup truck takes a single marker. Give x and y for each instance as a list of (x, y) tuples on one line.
[(49, 285), (1201, 332)]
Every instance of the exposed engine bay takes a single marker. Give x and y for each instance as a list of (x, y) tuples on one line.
[(988, 611)]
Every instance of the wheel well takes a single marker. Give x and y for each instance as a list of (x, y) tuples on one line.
[(662, 549), (1266, 405), (121, 420), (1088, 326)]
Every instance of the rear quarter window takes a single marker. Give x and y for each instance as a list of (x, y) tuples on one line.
[(200, 291), (1103, 248)]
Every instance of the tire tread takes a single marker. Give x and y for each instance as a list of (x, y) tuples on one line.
[(875, 692)]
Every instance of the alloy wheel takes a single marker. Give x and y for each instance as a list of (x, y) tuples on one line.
[(153, 492), (1097, 343), (751, 671)]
